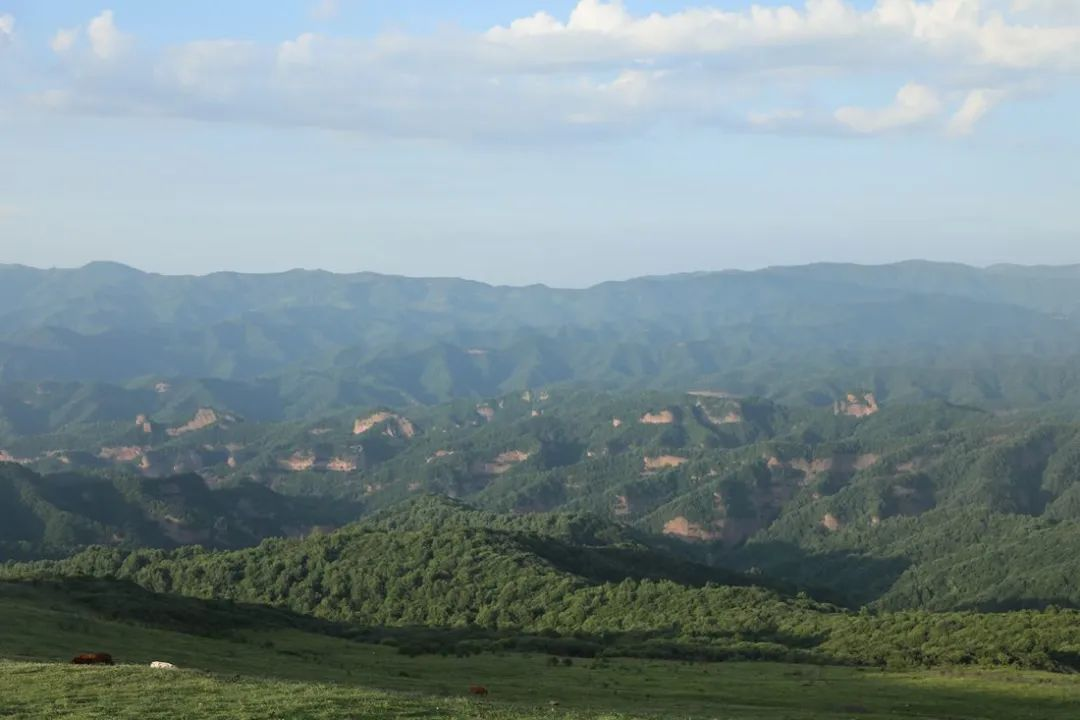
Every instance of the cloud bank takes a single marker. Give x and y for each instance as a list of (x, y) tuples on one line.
[(601, 70)]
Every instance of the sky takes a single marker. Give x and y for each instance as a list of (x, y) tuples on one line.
[(524, 141)]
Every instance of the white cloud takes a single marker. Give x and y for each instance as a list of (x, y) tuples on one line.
[(64, 40), (326, 9), (975, 106), (210, 68), (914, 105), (298, 51), (106, 40), (598, 69), (7, 28), (1051, 10)]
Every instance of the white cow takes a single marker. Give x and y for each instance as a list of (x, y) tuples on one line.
[(158, 664)]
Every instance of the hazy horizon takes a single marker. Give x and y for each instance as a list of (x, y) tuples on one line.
[(556, 141), (707, 271)]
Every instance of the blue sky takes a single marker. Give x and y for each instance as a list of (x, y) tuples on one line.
[(557, 142)]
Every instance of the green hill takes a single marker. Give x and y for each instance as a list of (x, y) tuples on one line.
[(246, 663), (94, 343), (437, 576), (59, 514), (931, 505)]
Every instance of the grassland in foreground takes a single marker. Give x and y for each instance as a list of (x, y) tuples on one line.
[(293, 674)]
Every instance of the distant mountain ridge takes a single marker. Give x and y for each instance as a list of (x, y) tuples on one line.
[(301, 343)]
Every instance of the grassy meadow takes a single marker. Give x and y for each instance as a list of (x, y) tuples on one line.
[(254, 674)]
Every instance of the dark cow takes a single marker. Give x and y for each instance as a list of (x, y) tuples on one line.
[(93, 659), (479, 690)]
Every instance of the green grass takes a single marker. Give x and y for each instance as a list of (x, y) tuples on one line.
[(284, 673)]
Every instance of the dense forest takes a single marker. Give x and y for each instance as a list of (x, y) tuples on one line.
[(931, 505), (97, 343), (567, 584)]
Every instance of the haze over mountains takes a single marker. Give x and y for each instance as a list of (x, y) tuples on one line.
[(863, 431), (302, 343)]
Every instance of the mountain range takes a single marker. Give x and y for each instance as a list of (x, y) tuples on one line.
[(93, 343)]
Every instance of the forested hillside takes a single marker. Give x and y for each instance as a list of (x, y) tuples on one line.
[(59, 514), (908, 506), (92, 343), (564, 584)]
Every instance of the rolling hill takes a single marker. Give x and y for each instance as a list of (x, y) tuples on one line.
[(930, 505), (90, 343), (59, 514)]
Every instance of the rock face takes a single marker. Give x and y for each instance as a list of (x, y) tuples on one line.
[(663, 462), (830, 522), (6, 457), (121, 454), (396, 425), (664, 417), (854, 406), (503, 463), (344, 465), (486, 411), (680, 527), (204, 418), (439, 454), (731, 416), (299, 462)]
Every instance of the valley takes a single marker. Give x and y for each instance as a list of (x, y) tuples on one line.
[(670, 530)]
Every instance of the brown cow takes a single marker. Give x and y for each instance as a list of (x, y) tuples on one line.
[(478, 690), (93, 659)]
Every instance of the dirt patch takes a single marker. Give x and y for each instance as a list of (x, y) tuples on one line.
[(616, 423), (682, 528), (204, 418), (910, 466), (664, 461), (6, 457), (299, 462), (865, 461), (830, 522), (664, 417), (439, 454), (813, 468), (343, 465), (731, 415), (486, 411), (503, 463), (395, 425), (847, 464), (121, 454), (855, 406), (715, 394)]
